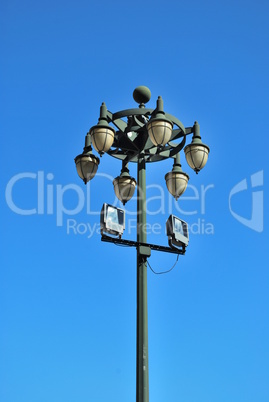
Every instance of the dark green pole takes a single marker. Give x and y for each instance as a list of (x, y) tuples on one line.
[(142, 377)]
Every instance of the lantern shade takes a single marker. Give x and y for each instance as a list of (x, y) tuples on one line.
[(159, 127), (176, 183), (124, 187), (196, 155), (87, 166), (102, 137), (159, 131)]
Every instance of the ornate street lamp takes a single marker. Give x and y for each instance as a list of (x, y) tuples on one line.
[(196, 153), (87, 163), (159, 127), (176, 180), (142, 136), (102, 134), (124, 185)]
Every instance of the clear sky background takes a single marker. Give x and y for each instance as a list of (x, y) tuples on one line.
[(68, 300)]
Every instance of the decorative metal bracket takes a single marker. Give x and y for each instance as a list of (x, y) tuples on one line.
[(131, 138)]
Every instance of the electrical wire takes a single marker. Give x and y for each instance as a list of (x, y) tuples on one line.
[(163, 272), (156, 273)]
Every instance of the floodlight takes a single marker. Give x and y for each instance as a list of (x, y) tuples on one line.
[(177, 231), (112, 220)]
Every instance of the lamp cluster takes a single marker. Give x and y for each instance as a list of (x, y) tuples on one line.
[(142, 136), (157, 131)]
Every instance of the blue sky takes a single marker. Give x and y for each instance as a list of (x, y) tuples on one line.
[(68, 300)]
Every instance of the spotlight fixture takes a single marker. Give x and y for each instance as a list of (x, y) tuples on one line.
[(177, 232), (112, 220)]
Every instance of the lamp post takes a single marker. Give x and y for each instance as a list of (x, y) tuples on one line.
[(149, 135)]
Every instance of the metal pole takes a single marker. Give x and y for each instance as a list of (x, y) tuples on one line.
[(142, 378)]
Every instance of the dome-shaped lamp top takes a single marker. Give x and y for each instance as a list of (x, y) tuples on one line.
[(142, 94)]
